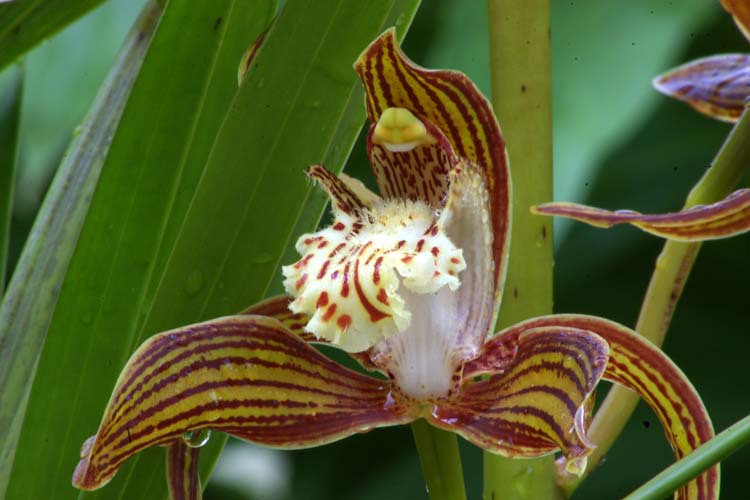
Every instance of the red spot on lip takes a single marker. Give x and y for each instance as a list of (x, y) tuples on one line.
[(407, 259), (300, 282), (323, 244), (376, 272), (304, 261), (329, 312), (339, 226), (455, 260), (383, 296), (400, 244), (420, 245), (345, 284), (433, 230), (322, 300), (344, 321), (323, 270), (435, 251)]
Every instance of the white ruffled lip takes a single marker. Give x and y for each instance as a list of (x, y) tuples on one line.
[(350, 275)]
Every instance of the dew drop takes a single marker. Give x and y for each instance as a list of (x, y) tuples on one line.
[(77, 131), (197, 438), (194, 283), (261, 258)]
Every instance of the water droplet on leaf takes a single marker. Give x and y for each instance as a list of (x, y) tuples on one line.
[(194, 283), (197, 438)]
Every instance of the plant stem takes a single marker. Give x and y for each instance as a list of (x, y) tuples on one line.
[(679, 473), (522, 98), (441, 461), (667, 282)]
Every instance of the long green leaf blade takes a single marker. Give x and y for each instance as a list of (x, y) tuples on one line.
[(10, 113), (28, 305), (205, 268), (146, 160), (25, 23)]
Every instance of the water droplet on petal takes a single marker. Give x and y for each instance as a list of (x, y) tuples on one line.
[(197, 438), (194, 283)]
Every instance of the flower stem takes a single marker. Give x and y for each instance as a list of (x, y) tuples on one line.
[(441, 461), (679, 473), (522, 98), (670, 274)]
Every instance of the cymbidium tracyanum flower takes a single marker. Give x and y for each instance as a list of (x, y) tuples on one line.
[(409, 284), (717, 86)]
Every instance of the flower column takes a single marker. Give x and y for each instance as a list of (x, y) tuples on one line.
[(522, 98)]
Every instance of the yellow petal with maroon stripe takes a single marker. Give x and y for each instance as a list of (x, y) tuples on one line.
[(636, 363), (716, 86), (244, 375), (183, 480), (740, 10), (536, 403), (452, 103), (417, 172), (728, 217)]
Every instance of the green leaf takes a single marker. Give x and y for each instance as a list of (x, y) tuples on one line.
[(25, 23), (33, 290), (195, 204), (10, 113)]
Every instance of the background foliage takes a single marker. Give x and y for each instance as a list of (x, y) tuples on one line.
[(617, 144)]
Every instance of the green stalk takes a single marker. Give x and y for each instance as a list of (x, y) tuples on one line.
[(670, 274), (679, 473), (441, 461), (522, 98)]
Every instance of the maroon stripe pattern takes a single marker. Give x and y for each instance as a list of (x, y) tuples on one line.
[(244, 375), (182, 472), (639, 365)]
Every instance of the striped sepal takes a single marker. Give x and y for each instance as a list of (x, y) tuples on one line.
[(726, 218), (278, 308), (244, 375), (537, 403), (639, 365), (417, 174), (740, 10), (450, 101), (182, 472), (717, 86)]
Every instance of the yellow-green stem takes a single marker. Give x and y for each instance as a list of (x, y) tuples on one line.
[(522, 98), (441, 461), (670, 274)]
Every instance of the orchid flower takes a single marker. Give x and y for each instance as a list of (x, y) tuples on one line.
[(717, 86), (409, 284)]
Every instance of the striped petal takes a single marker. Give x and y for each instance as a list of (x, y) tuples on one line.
[(729, 217), (183, 480), (418, 171), (453, 104), (536, 403), (740, 10), (244, 375), (716, 86), (639, 365)]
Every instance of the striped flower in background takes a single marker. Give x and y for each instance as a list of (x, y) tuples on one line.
[(717, 86), (409, 284)]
